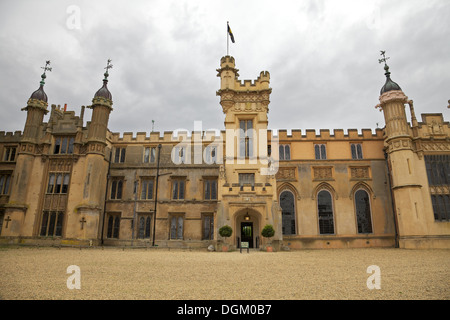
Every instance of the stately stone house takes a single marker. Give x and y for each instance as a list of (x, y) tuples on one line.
[(69, 181)]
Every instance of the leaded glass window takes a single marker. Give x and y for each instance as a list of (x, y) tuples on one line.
[(144, 226), (52, 223), (320, 151), (113, 226), (325, 209), (287, 212), (176, 227), (363, 216)]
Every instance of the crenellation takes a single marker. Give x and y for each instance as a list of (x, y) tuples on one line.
[(9, 136)]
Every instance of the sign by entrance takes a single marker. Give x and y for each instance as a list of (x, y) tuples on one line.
[(245, 245)]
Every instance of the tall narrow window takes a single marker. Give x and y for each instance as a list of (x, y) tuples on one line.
[(245, 138), (119, 155), (320, 151), (2, 216), (356, 149), (52, 222), (287, 212), (210, 189), (208, 226), (149, 154), (178, 154), (147, 188), (210, 154), (325, 210), (116, 189), (4, 183), (10, 154), (178, 189), (285, 152), (176, 227), (113, 226), (144, 226), (363, 216), (438, 172)]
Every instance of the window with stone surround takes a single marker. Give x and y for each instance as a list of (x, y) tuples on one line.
[(58, 182), (176, 226), (210, 188), (5, 181), (245, 138), (356, 149), (144, 226), (325, 212), (63, 145), (52, 222), (147, 187), (9, 154), (113, 226), (320, 151), (178, 188), (119, 155), (116, 189), (438, 172), (363, 215), (149, 154), (207, 226), (285, 152)]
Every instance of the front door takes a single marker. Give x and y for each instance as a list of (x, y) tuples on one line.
[(247, 233)]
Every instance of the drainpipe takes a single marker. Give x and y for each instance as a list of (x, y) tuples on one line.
[(106, 195), (392, 199), (156, 195)]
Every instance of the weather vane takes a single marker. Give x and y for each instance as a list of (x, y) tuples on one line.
[(108, 66), (384, 57), (46, 68)]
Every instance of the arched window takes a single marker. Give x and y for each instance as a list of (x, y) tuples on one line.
[(325, 210), (363, 216), (287, 212)]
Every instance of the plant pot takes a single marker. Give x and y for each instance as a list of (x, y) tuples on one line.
[(269, 249), (224, 248)]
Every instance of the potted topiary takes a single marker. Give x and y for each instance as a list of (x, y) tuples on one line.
[(225, 232), (268, 232)]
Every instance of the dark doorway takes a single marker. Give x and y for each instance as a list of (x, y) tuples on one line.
[(247, 233)]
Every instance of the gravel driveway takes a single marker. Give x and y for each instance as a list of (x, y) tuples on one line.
[(116, 273)]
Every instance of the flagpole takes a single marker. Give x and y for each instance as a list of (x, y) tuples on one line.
[(228, 41)]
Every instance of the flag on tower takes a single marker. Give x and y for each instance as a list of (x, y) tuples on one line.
[(230, 33)]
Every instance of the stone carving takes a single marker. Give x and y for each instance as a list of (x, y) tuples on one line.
[(285, 174), (323, 173), (359, 172)]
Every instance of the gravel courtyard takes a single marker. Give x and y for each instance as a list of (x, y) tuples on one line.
[(114, 273)]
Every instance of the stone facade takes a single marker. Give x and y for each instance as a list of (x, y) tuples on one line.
[(67, 182)]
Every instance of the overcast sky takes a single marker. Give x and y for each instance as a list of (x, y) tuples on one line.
[(322, 57)]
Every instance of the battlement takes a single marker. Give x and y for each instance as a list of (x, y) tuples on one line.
[(227, 61), (15, 136), (324, 134), (281, 134), (166, 136), (261, 83)]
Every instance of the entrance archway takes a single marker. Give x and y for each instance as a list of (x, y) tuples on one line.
[(248, 228)]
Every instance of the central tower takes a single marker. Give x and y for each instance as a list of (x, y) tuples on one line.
[(248, 200)]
